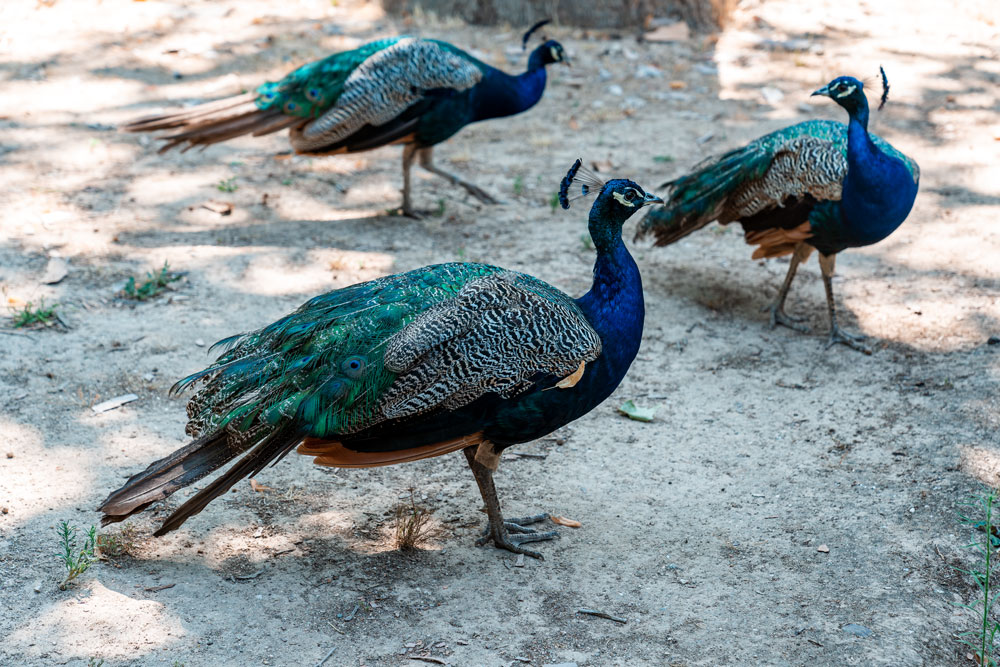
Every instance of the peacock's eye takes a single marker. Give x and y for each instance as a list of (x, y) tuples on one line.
[(630, 195)]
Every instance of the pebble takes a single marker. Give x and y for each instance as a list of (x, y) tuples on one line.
[(616, 90), (199, 342), (647, 72), (993, 340), (856, 630), (823, 549), (771, 94), (604, 74)]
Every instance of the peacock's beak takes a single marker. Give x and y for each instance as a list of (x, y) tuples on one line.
[(651, 199), (825, 90)]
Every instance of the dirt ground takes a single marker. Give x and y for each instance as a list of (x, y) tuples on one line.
[(783, 492)]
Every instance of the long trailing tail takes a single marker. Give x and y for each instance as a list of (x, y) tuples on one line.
[(217, 121), (190, 464), (698, 198)]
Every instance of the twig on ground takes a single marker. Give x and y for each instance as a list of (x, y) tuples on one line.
[(326, 657), (601, 614)]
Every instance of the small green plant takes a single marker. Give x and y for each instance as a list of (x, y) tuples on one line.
[(95, 662), (227, 185), (287, 181), (519, 185), (663, 158), (554, 201), (31, 315), (440, 209), (76, 560), (979, 516), (153, 285), (413, 526)]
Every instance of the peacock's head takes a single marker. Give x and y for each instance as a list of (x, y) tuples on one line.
[(616, 200), (849, 92), (550, 51)]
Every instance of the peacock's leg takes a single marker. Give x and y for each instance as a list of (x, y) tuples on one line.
[(427, 162), (837, 335), (777, 307), (499, 531), (409, 152)]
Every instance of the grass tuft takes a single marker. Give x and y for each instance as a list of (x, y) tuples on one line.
[(152, 286), (413, 526), (554, 201), (76, 560), (35, 316), (519, 185), (980, 515), (227, 185)]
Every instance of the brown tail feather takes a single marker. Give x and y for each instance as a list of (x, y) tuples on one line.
[(215, 122), (270, 449), (185, 466)]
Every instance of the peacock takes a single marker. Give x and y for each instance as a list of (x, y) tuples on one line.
[(402, 90), (449, 357), (817, 184)]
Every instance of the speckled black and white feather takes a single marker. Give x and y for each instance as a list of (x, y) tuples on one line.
[(498, 333), (383, 86)]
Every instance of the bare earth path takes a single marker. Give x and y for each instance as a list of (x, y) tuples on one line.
[(701, 529)]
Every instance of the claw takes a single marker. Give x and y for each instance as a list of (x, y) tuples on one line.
[(779, 316), (514, 534), (856, 341)]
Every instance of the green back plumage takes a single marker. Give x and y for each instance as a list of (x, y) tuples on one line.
[(700, 196), (322, 364), (313, 88)]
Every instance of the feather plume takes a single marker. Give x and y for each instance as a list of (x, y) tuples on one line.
[(885, 88), (578, 175), (531, 31)]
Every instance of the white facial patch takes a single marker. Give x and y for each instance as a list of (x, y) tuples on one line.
[(555, 54), (621, 200), (847, 91)]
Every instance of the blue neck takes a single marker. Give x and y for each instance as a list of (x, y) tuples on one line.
[(614, 307), (878, 190), (499, 94)]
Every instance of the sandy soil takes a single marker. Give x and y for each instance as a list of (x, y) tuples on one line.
[(702, 529)]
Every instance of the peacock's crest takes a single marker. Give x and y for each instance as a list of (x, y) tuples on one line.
[(577, 183)]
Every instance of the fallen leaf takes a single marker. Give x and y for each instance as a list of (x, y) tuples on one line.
[(55, 271), (259, 488), (633, 411), (675, 32), (113, 403), (220, 207), (563, 521)]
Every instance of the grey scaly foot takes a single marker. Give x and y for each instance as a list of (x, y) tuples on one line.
[(514, 534), (478, 193), (856, 341), (779, 316)]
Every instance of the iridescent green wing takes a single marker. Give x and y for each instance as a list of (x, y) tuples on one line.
[(434, 338), (370, 86)]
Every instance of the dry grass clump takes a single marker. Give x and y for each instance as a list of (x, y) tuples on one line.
[(413, 525)]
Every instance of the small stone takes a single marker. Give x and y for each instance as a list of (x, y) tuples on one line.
[(10, 455), (37, 587), (856, 630), (520, 561), (199, 342), (823, 549), (148, 377), (993, 340), (771, 94), (647, 72), (616, 90), (4, 510), (55, 271)]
